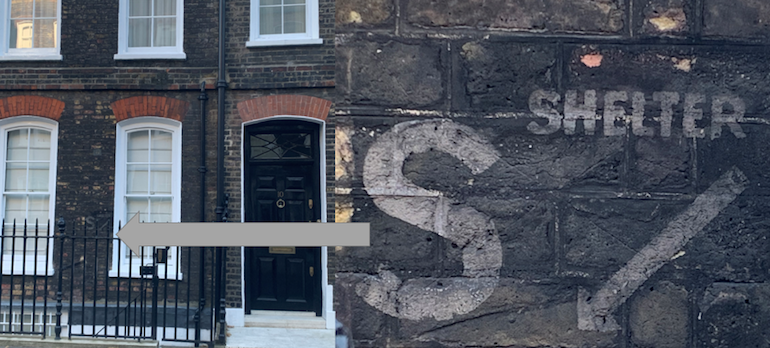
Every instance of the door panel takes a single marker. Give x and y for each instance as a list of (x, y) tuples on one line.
[(267, 290)]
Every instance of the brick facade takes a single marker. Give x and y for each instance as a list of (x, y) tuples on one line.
[(88, 92)]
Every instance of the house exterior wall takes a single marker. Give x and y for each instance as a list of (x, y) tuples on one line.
[(552, 174), (88, 80)]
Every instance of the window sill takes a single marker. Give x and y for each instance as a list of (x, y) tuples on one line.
[(18, 271), (130, 56), (287, 42), (14, 57), (172, 275)]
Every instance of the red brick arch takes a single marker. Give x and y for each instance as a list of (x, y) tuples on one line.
[(174, 109), (31, 105), (284, 104)]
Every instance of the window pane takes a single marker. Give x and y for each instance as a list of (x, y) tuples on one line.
[(15, 177), (160, 209), (38, 210), (294, 2), (137, 179), (165, 7), (40, 145), (139, 8), (139, 32), (21, 9), (15, 209), (165, 32), (44, 33), (160, 179), (269, 2), (270, 20), (17, 145), (38, 177), (138, 146), (294, 19), (134, 205), (45, 8), (161, 146), (21, 33)]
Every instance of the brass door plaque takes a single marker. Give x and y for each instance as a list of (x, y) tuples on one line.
[(283, 250)]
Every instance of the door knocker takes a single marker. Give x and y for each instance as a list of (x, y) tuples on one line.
[(280, 203)]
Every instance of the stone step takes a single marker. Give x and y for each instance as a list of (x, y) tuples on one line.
[(267, 337), (290, 320)]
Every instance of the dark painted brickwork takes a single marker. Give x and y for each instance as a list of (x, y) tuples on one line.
[(551, 174), (90, 40), (95, 78), (89, 37), (86, 180), (86, 153)]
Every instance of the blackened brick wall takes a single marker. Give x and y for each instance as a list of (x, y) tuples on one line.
[(529, 236)]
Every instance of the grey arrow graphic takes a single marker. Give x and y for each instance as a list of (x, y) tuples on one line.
[(211, 234), (595, 312)]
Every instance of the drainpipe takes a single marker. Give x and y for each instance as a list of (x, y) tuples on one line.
[(202, 169), (221, 85), (219, 300)]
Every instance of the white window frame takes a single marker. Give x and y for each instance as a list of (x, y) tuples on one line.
[(309, 37), (24, 122), (170, 52), (120, 248), (7, 53)]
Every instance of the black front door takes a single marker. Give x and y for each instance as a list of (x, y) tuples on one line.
[(282, 185)]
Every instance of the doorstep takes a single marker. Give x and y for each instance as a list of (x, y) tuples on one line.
[(275, 337), (277, 329), (281, 319)]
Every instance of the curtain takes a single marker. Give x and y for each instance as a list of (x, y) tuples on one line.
[(27, 167), (152, 23), (148, 177), (281, 17)]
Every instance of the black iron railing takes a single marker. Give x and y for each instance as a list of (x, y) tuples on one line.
[(75, 284)]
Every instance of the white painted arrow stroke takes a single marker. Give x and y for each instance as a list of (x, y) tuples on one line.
[(595, 312)]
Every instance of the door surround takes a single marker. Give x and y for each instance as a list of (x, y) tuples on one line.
[(327, 311)]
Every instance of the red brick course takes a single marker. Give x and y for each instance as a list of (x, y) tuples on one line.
[(31, 105), (284, 104), (174, 109)]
